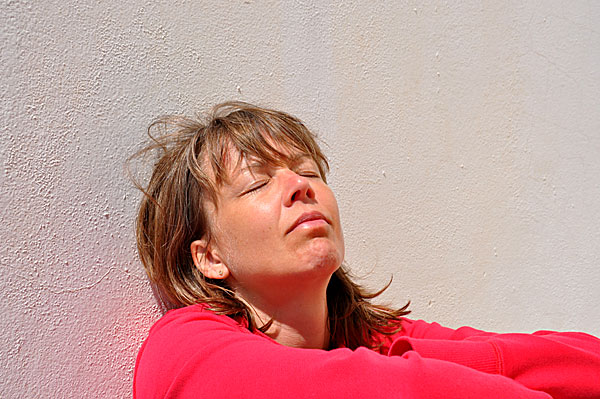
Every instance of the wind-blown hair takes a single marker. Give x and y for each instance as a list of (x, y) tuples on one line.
[(172, 213)]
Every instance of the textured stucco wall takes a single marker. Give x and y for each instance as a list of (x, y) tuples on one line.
[(464, 139)]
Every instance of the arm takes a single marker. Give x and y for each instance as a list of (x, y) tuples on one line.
[(565, 365), (192, 353)]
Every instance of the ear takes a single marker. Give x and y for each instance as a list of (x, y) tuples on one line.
[(208, 261)]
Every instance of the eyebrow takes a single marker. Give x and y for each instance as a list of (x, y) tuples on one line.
[(293, 161), (253, 166), (299, 158), (258, 165)]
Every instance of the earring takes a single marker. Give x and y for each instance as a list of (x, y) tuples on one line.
[(221, 273)]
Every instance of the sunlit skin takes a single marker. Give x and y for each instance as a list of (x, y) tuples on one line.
[(280, 267)]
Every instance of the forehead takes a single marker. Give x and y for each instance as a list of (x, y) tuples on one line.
[(238, 161), (232, 153), (265, 137), (224, 167)]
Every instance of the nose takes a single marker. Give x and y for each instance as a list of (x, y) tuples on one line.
[(297, 188)]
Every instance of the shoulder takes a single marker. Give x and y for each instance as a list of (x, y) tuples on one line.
[(192, 332), (185, 326), (183, 330), (191, 318)]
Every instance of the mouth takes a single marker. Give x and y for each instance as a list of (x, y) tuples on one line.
[(308, 217)]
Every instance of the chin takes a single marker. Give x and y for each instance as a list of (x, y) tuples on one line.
[(324, 256)]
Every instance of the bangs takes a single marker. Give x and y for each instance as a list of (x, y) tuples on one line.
[(273, 139)]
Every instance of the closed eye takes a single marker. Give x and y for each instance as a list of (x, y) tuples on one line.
[(310, 174), (256, 186)]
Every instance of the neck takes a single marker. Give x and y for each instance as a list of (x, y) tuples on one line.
[(300, 321)]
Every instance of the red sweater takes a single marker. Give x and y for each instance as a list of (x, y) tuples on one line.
[(193, 353)]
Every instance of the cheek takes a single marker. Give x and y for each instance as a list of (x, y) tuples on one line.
[(249, 223), (329, 200), (246, 232), (335, 214)]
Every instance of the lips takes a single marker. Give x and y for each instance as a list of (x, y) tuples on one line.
[(307, 217)]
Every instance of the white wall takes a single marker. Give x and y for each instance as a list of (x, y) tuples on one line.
[(464, 139)]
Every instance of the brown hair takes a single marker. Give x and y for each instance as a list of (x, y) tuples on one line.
[(172, 214)]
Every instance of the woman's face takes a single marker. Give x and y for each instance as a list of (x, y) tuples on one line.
[(277, 227)]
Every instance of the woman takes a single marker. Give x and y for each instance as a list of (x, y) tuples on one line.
[(241, 235)]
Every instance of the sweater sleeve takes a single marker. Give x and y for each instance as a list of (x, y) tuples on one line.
[(193, 353), (565, 365)]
